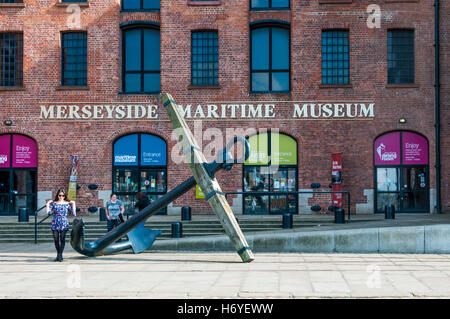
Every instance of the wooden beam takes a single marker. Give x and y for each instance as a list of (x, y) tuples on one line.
[(210, 187)]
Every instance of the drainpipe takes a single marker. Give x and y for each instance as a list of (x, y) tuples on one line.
[(437, 106)]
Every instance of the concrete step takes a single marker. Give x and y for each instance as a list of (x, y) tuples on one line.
[(24, 231)]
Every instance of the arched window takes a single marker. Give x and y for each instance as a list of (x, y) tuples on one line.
[(270, 57), (18, 174), (139, 165), (271, 167), (401, 172), (140, 59)]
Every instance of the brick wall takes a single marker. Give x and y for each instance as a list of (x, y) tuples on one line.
[(43, 21)]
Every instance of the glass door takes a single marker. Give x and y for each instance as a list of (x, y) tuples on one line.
[(388, 188), (24, 190), (256, 179), (266, 179), (5, 193), (17, 190), (414, 195), (283, 180)]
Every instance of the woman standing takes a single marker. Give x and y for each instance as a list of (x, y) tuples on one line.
[(60, 207), (114, 211)]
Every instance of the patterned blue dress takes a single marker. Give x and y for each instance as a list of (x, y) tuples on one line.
[(60, 221)]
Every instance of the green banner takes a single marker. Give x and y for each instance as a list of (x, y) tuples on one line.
[(283, 150), (259, 150)]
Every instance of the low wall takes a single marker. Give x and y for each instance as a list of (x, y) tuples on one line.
[(431, 239)]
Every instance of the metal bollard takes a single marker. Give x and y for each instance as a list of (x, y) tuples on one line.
[(339, 216), (23, 215), (389, 212), (185, 213), (287, 221), (177, 230), (102, 215)]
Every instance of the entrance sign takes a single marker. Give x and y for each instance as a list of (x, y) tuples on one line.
[(126, 151), (24, 151), (153, 150), (259, 146), (5, 148), (387, 149), (414, 149), (283, 150)]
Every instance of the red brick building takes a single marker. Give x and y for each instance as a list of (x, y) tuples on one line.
[(83, 78)]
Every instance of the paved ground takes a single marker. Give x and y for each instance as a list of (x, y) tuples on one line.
[(28, 271)]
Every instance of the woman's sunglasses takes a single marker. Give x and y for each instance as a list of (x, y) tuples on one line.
[(61, 195)]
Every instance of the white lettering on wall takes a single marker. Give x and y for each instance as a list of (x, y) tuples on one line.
[(210, 111)]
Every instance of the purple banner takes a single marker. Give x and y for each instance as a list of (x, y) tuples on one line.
[(5, 146), (387, 149), (414, 148), (24, 151)]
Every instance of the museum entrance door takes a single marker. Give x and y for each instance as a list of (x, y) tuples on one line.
[(402, 172)]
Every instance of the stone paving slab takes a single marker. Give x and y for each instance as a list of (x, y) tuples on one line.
[(28, 271)]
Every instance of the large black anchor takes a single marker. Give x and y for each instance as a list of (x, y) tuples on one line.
[(140, 238)]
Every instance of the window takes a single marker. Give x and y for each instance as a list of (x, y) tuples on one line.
[(18, 174), (400, 56), (141, 60), (270, 65), (140, 5), (74, 59), (205, 58), (269, 4), (11, 58), (271, 167), (335, 57), (139, 165)]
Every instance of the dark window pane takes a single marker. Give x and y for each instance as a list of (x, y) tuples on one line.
[(280, 81), (150, 4), (131, 4), (151, 82), (151, 50), (400, 56), (280, 49), (280, 3), (74, 59), (133, 82), (335, 67), (133, 50), (11, 58), (260, 3), (260, 81), (260, 49), (204, 58)]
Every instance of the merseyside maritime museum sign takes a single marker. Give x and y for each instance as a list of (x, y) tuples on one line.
[(211, 111)]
